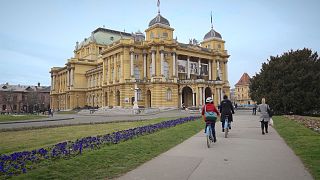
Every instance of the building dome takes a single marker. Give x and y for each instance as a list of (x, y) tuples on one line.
[(159, 20), (212, 34)]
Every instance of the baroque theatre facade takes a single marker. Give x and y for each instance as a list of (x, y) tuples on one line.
[(151, 70)]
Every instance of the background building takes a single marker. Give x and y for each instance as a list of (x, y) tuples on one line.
[(24, 98), (242, 91), (113, 68)]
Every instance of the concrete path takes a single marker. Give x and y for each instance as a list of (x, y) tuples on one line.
[(73, 119), (245, 155)]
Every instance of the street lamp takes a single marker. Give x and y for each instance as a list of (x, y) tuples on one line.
[(135, 103)]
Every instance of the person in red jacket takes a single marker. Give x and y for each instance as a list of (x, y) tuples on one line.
[(210, 107)]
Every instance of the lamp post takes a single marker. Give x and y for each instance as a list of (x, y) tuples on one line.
[(135, 103)]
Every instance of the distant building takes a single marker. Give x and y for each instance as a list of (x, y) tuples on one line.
[(113, 68), (24, 98), (242, 90), (232, 95)]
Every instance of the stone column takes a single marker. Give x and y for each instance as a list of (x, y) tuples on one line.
[(88, 81), (144, 64), (131, 63), (121, 68), (115, 72), (99, 83), (200, 96), (153, 63), (209, 69), (226, 70), (53, 82), (188, 67), (199, 66), (109, 70), (180, 99), (72, 76), (103, 71), (204, 95), (68, 78), (174, 64), (193, 99), (161, 63), (218, 70)]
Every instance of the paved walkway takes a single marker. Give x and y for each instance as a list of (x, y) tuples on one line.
[(245, 155), (72, 119)]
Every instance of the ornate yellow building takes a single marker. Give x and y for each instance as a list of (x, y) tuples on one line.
[(113, 68), (242, 91)]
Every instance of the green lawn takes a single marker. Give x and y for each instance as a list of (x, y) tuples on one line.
[(12, 141), (304, 142), (114, 160), (5, 118)]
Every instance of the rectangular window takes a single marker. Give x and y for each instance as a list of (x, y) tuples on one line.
[(100, 50), (165, 35), (15, 107), (4, 107)]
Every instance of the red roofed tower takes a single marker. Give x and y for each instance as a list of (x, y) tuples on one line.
[(242, 90)]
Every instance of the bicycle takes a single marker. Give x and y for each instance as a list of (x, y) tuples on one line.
[(209, 135), (226, 126)]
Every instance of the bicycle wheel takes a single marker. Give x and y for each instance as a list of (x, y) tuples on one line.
[(226, 128), (226, 132), (208, 136)]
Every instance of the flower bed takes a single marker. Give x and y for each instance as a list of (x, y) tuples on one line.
[(20, 162), (309, 122)]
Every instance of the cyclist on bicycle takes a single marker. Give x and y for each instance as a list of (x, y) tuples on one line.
[(209, 107), (226, 110)]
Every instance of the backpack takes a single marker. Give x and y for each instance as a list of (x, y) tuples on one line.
[(210, 116)]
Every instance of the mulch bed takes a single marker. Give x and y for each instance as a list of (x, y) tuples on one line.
[(309, 122)]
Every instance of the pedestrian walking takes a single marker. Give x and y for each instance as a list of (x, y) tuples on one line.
[(264, 116), (254, 109)]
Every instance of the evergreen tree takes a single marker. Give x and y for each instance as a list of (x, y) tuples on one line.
[(290, 83)]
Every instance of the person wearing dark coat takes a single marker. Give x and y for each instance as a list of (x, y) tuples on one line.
[(226, 108)]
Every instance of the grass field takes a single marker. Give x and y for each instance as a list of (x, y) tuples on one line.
[(114, 160), (304, 142), (12, 141), (6, 118)]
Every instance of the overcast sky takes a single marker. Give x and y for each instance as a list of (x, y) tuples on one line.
[(36, 35)]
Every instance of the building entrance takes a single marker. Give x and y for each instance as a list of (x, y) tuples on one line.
[(187, 96)]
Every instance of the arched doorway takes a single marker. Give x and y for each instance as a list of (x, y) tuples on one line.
[(187, 96), (118, 98), (208, 92), (148, 99)]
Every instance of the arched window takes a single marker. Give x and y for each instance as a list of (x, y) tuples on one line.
[(166, 69), (139, 95), (151, 35), (169, 94), (136, 72)]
